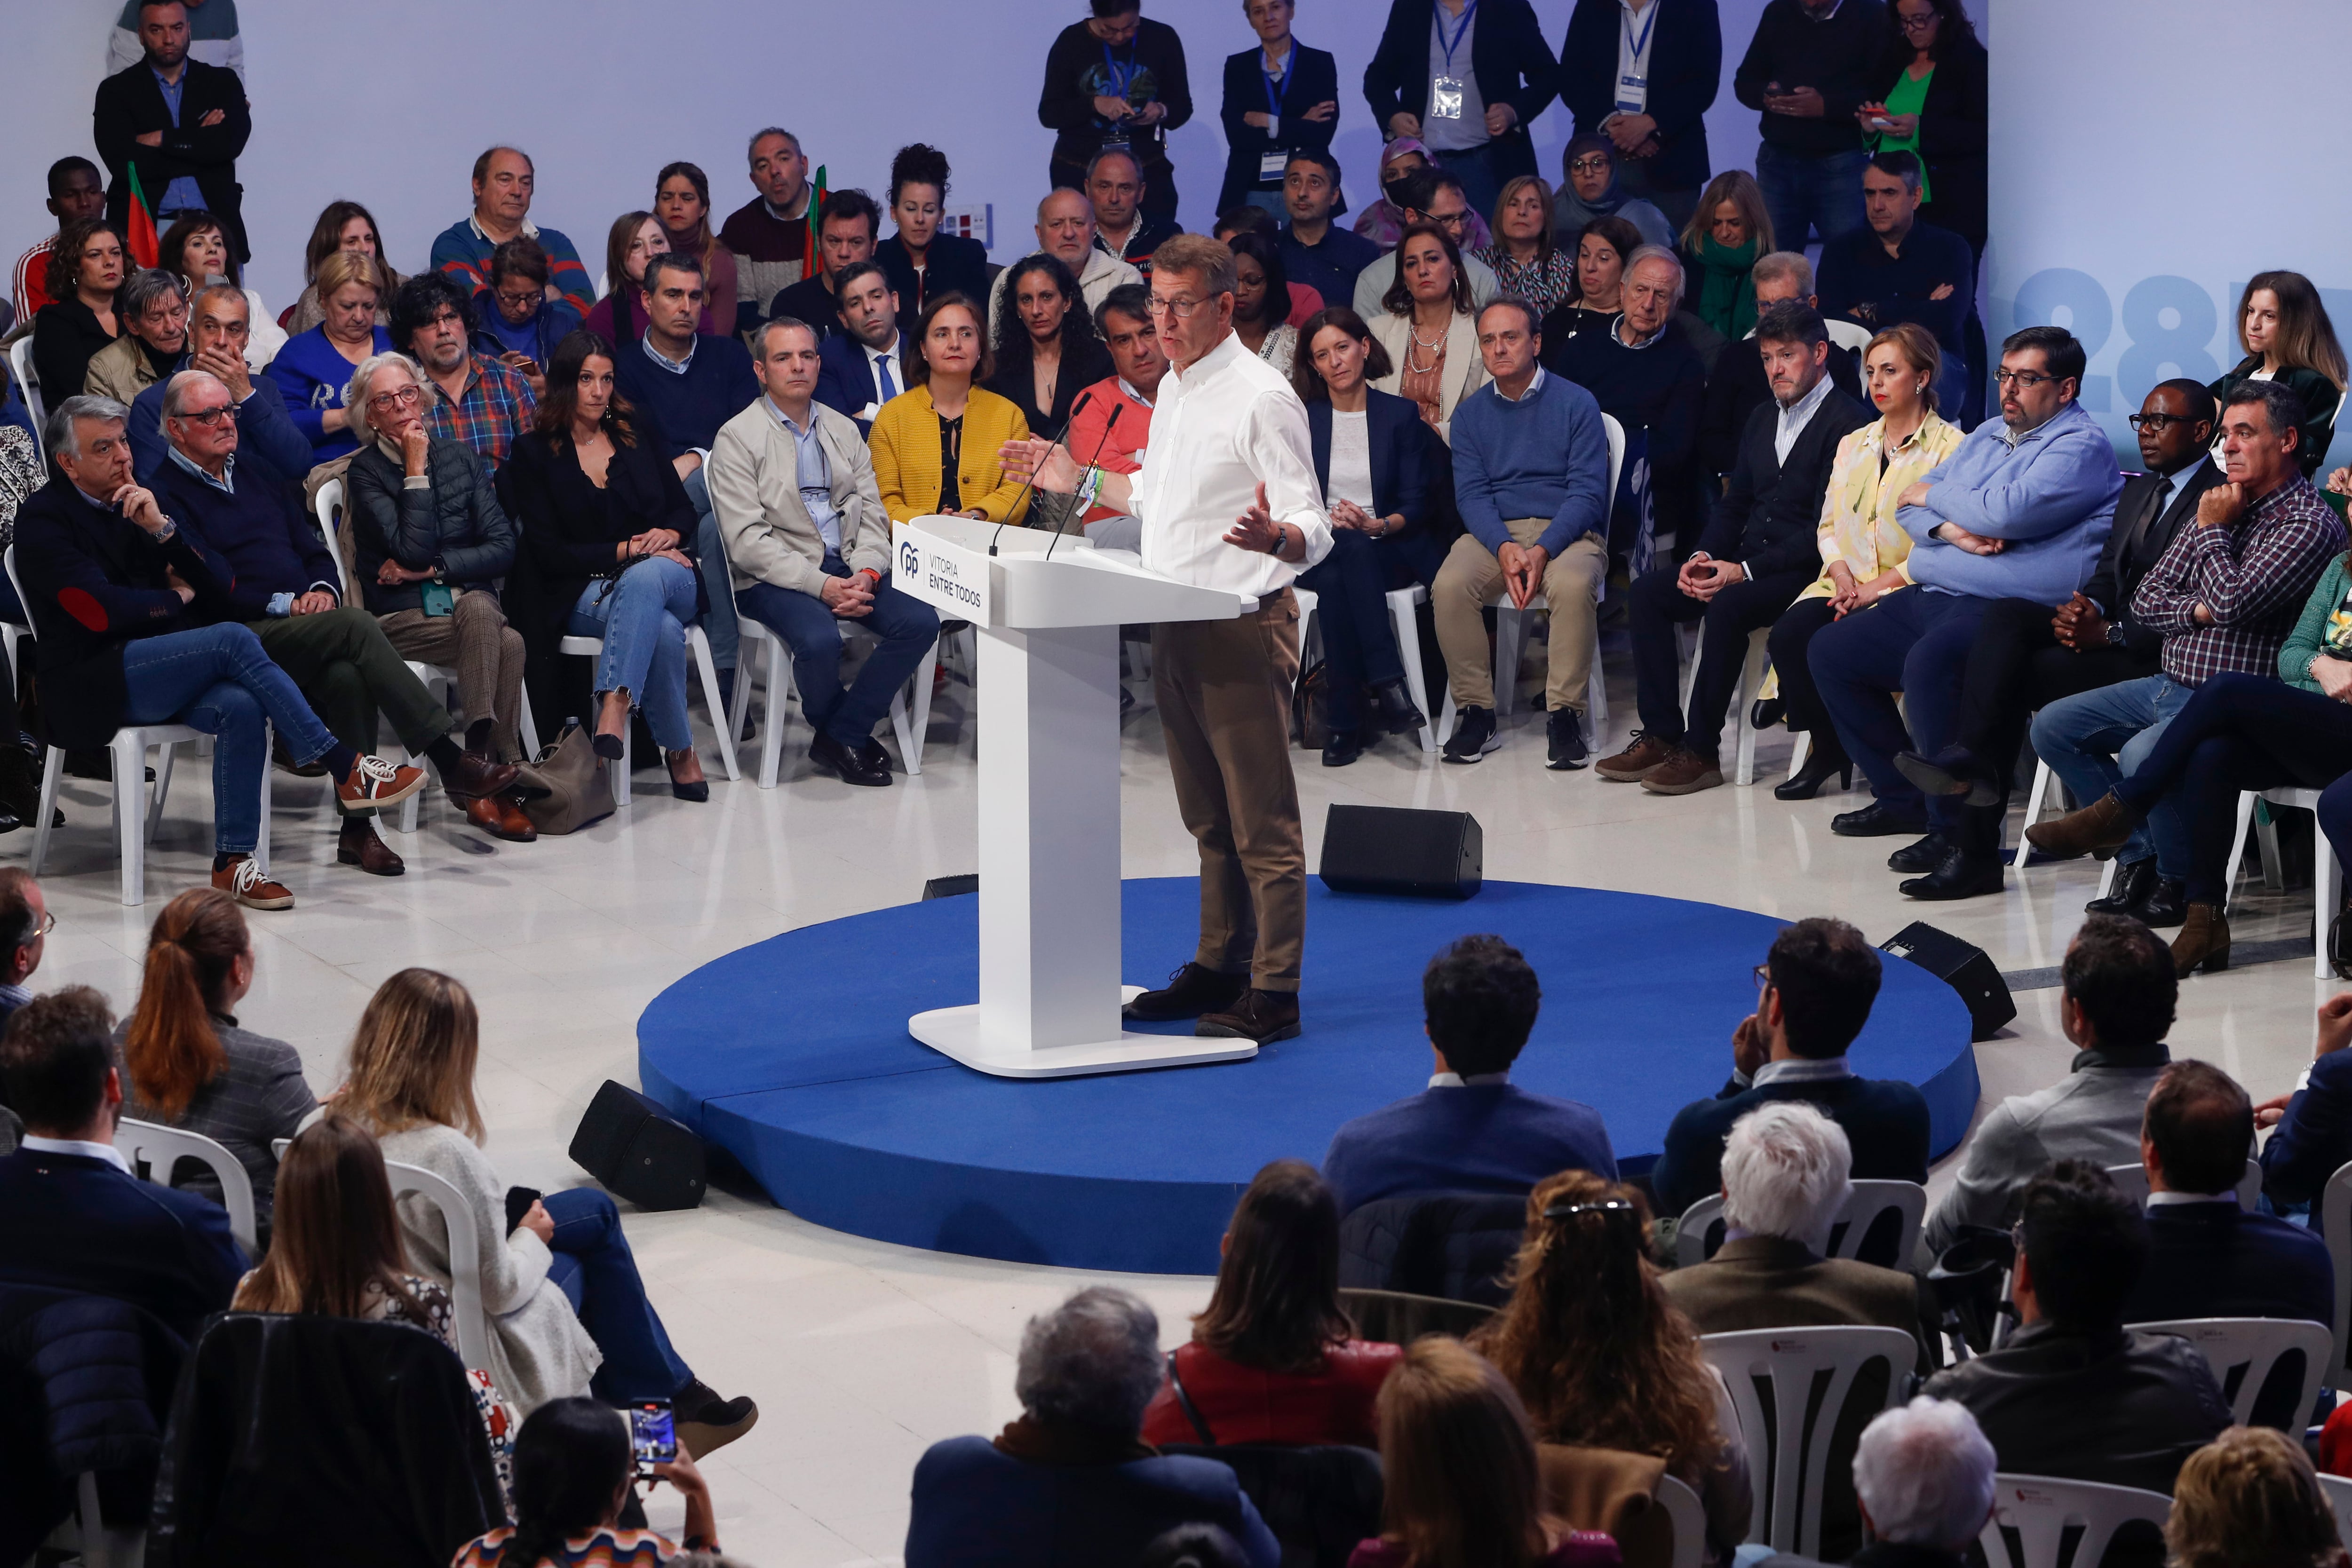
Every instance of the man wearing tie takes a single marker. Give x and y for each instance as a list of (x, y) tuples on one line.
[(858, 366)]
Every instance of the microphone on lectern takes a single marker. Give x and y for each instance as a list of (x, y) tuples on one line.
[(1053, 440), (1117, 408)]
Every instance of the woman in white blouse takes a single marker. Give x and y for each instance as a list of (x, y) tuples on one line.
[(1428, 328)]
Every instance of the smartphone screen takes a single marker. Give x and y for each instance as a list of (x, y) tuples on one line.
[(652, 1438)]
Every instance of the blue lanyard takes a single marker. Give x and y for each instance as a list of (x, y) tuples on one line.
[(1647, 27), (1467, 12), (1276, 83), (1120, 81)]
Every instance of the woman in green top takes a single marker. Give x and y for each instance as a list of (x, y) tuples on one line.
[(1728, 230), (2287, 337), (1935, 106)]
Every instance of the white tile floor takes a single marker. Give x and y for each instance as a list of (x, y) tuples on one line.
[(862, 1353)]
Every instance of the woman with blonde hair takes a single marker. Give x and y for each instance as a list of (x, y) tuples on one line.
[(1462, 1487), (412, 1083), (2250, 1499), (187, 1064), (314, 367), (1602, 1359), (1728, 230), (2283, 327)]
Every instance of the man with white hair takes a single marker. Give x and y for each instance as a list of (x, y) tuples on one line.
[(1925, 1471), (1066, 231)]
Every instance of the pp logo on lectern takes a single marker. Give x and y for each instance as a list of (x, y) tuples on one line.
[(910, 559)]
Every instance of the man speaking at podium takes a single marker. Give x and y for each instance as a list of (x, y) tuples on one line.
[(1229, 500)]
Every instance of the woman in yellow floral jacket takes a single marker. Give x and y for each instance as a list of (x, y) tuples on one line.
[(1863, 547)]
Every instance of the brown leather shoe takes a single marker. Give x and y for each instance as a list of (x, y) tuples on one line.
[(1629, 765), (242, 880), (374, 784), (2204, 940), (367, 851), (476, 776), (2099, 829), (501, 817), (1683, 772), (1262, 1016)]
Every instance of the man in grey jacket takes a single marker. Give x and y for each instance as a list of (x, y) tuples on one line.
[(2120, 995), (808, 547)]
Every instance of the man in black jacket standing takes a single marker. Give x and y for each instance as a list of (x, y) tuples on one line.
[(179, 123), (1644, 73), (1466, 79), (1811, 65), (1115, 80), (1758, 552)]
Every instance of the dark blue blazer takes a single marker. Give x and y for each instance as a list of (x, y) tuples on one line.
[(1508, 52), (953, 264), (844, 376), (1314, 78), (1686, 69), (1884, 1120), (1498, 1138), (70, 1223), (1412, 474), (2313, 1138), (2214, 1260), (977, 1506)]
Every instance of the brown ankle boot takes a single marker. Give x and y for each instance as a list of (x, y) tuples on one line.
[(2098, 829), (2204, 940)]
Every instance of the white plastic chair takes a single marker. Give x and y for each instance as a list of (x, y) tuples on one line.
[(1687, 1514), (1511, 625), (1401, 602), (910, 720), (135, 822), (697, 643), (1850, 336), (2039, 1507), (1869, 1199), (2326, 872), (1751, 681), (2338, 1489), (2132, 1181), (20, 371), (160, 1148), (471, 1320), (1788, 1515), (2250, 1348), (2335, 1219)]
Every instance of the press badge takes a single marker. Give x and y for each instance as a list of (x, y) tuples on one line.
[(1270, 165), (1445, 99), (439, 600), (1633, 94)]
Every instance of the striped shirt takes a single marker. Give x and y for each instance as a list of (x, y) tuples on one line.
[(2253, 575), (495, 407)]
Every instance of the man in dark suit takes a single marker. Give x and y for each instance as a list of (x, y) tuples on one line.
[(23, 935), (2314, 1124), (1737, 385), (72, 1215), (1758, 552), (2025, 657), (179, 123), (1472, 1130), (859, 368), (1500, 79), (1819, 982), (1645, 77)]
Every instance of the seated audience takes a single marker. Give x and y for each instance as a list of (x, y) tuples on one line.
[(1735, 384), (429, 542), (1595, 295), (2019, 510), (1275, 1358), (1253, 220), (575, 1470), (1528, 259), (485, 401), (77, 195), (154, 337), (504, 182), (196, 248), (805, 555), (1431, 197), (607, 543), (1066, 231), (1382, 223), (1897, 267), (1858, 537), (2250, 1499), (2312, 1135), (1728, 233), (523, 322), (1461, 1479), (73, 1216), (25, 927), (1316, 251), (136, 648), (682, 210), (1472, 1130), (2074, 1394), (1924, 1473), (410, 1081), (1261, 301), (634, 239), (314, 367), (2283, 327), (1604, 1359), (268, 444), (936, 445), (923, 264), (1138, 365), (769, 236), (85, 314), (1072, 1467), (1046, 351), (1385, 483), (1115, 187), (1816, 987), (1530, 484), (1589, 189), (860, 363), (342, 226), (1429, 325), (2118, 1002), (848, 225)]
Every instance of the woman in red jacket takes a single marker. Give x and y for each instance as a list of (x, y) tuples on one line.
[(1275, 1359)]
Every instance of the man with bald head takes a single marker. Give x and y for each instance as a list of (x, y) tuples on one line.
[(220, 325), (1066, 231), (504, 183)]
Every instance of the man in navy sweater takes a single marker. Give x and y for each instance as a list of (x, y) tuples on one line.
[(1897, 268), (1471, 1130), (1316, 251), (1810, 65), (1819, 983)]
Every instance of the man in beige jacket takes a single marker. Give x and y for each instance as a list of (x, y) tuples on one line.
[(808, 547)]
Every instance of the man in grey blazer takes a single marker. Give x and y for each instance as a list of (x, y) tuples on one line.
[(808, 547)]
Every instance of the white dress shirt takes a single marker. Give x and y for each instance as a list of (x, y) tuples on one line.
[(1795, 417), (106, 1152), (1219, 430), (1471, 1081)]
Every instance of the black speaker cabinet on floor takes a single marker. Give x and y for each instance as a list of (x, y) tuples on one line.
[(1388, 849), (638, 1150), (1967, 968)]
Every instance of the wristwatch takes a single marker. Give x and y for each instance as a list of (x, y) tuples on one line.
[(2115, 634)]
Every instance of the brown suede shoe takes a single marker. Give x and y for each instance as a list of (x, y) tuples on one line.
[(1629, 765), (1683, 772), (242, 880), (2204, 940), (2098, 829), (501, 817), (367, 851)]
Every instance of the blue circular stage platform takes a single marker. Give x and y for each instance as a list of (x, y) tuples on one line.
[(793, 1055)]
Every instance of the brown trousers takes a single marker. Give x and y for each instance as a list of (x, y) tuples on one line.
[(476, 641), (1223, 689)]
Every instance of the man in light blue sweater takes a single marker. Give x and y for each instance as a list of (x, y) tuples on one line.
[(2020, 511)]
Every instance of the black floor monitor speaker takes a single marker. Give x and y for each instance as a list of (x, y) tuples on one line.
[(1388, 849), (1966, 968), (638, 1150)]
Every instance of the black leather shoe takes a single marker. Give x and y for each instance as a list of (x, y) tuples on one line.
[(1923, 854), (849, 766), (1820, 763), (1344, 746), (874, 755), (1961, 875), (1262, 1016), (1878, 821), (1190, 991), (1767, 712), (1955, 770), (2166, 905), (1393, 708), (2135, 880)]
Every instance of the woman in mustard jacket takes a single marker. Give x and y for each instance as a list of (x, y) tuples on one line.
[(935, 444)]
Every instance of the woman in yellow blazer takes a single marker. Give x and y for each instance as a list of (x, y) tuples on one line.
[(1863, 547), (935, 444)]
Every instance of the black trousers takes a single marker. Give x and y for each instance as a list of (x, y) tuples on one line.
[(1792, 635), (2017, 665), (1655, 607)]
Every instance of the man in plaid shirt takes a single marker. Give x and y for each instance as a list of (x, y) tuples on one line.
[(2224, 596), (483, 403)]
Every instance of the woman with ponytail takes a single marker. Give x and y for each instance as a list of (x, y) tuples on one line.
[(573, 1468), (1603, 1360), (188, 1065)]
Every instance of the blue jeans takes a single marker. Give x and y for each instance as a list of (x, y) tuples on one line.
[(1805, 191), (906, 626), (598, 1275), (1916, 643), (710, 555), (2092, 740), (1351, 585), (643, 621), (217, 681)]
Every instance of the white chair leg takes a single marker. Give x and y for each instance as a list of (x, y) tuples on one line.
[(163, 785), (741, 705), (408, 807), (2107, 876), (1596, 698), (51, 770), (262, 842), (619, 771), (2266, 833), (129, 821), (780, 683), (1751, 681), (1688, 637), (700, 646), (1510, 637), (2325, 876), (2238, 845), (1407, 628), (2039, 795), (911, 715), (1800, 751)]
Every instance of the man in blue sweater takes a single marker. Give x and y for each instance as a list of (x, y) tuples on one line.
[(2021, 510), (1471, 1130), (1530, 478)]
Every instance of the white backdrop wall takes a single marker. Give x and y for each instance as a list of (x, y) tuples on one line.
[(388, 103)]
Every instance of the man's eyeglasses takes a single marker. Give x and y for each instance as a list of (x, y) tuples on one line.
[(2023, 380), (2159, 422), (208, 417), (48, 924), (1763, 976), (1182, 309), (406, 397)]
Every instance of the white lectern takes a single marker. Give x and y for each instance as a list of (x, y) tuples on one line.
[(1050, 987)]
